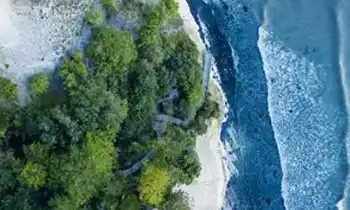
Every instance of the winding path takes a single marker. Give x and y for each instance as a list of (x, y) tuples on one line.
[(138, 165)]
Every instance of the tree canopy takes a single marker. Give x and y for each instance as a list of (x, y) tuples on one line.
[(85, 169), (101, 114), (33, 175), (153, 185), (112, 52), (39, 84), (142, 99), (176, 201), (94, 17), (8, 90)]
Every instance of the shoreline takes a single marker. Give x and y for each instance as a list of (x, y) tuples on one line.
[(207, 192)]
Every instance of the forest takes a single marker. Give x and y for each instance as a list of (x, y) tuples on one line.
[(115, 126)]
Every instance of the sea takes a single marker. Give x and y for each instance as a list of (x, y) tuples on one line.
[(284, 69)]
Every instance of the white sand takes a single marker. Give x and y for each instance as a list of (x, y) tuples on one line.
[(190, 26), (35, 35), (6, 27), (208, 190), (341, 204)]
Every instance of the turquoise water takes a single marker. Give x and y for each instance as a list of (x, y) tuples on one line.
[(284, 70)]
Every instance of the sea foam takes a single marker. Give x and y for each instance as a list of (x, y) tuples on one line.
[(309, 126)]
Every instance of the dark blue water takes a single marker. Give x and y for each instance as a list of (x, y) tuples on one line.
[(258, 182), (284, 68)]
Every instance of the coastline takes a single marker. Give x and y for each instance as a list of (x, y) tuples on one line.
[(207, 192)]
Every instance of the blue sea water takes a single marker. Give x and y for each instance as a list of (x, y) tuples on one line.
[(258, 183), (284, 69)]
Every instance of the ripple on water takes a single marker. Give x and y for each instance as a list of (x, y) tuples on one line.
[(310, 124)]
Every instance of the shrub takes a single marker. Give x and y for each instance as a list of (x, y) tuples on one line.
[(176, 201), (73, 72), (8, 90), (171, 7), (94, 17), (130, 203), (142, 100), (36, 153), (110, 6), (39, 84), (209, 109), (33, 175), (189, 165), (86, 169), (153, 185), (112, 52), (3, 127)]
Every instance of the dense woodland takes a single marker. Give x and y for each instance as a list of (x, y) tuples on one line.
[(96, 116)]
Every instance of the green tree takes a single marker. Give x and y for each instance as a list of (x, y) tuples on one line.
[(112, 193), (185, 61), (187, 167), (73, 72), (85, 170), (12, 196), (195, 95), (176, 201), (148, 33), (39, 84), (19, 199), (166, 81), (153, 185), (110, 6), (208, 110), (54, 127), (37, 153), (153, 51), (112, 52), (130, 203), (4, 124), (176, 154), (95, 108), (109, 3), (89, 107), (171, 7), (178, 141), (156, 16), (8, 90), (143, 99), (33, 175), (7, 174), (94, 17), (63, 203)]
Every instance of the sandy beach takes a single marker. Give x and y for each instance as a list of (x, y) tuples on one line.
[(6, 26), (208, 190), (35, 35), (190, 26)]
